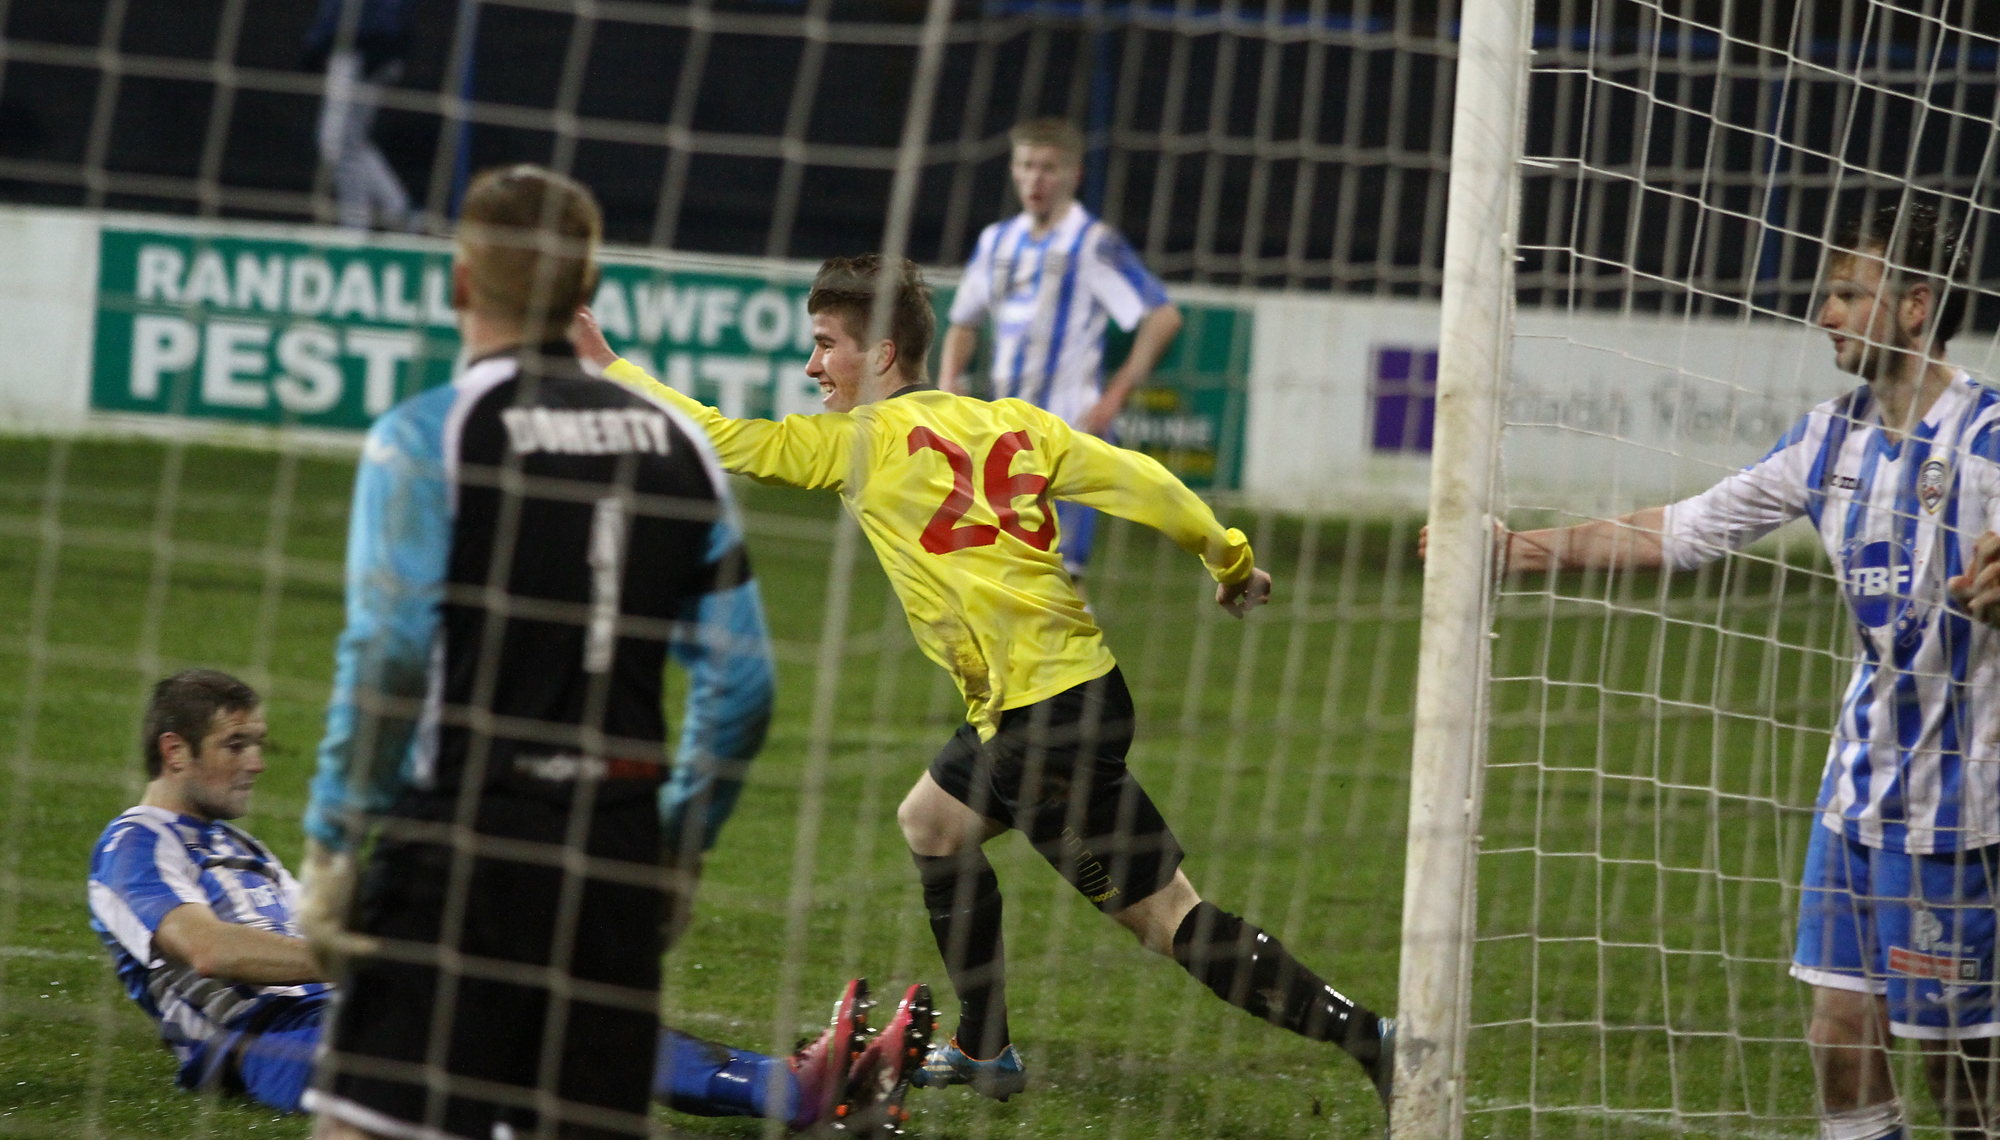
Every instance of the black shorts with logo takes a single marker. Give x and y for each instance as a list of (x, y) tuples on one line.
[(511, 1051), (1055, 770)]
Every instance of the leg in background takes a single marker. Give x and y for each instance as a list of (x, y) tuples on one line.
[(706, 1078), (1963, 1076), (372, 182), (1952, 924), (366, 189), (1849, 1038), (276, 1064), (343, 72), (1840, 954), (346, 115), (962, 896)]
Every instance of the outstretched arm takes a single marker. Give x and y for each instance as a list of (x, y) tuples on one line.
[(1629, 542), (1731, 515), (797, 451), (1134, 486), (231, 952)]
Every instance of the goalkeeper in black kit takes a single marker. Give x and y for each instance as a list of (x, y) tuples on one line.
[(527, 549)]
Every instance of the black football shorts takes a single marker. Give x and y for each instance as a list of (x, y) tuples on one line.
[(471, 995), (1055, 770)]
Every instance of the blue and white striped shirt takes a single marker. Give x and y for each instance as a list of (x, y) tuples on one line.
[(150, 861), (1914, 763), (1049, 300)]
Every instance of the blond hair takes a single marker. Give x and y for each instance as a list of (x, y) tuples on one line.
[(1058, 133), (528, 237)]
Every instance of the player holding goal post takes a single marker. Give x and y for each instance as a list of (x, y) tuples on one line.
[(955, 495), (1901, 476), (1050, 279)]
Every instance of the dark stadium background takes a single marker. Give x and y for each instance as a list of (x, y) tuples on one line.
[(1199, 173)]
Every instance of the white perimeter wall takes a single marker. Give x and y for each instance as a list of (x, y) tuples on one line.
[(1604, 413), (48, 292), (1609, 412), (1306, 442)]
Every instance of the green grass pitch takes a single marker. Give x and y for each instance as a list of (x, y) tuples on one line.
[(1637, 758)]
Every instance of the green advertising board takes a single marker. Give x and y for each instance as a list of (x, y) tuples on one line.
[(329, 335), (1190, 415)]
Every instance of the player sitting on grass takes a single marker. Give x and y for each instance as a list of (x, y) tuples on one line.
[(1901, 476), (200, 919), (956, 495)]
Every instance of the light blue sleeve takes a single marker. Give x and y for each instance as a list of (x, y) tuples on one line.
[(1121, 282), (726, 648), (398, 550)]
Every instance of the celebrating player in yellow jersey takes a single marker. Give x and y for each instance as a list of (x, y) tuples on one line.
[(955, 494)]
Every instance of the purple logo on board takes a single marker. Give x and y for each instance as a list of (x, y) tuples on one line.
[(1402, 398)]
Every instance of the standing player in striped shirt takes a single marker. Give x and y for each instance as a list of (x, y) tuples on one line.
[(1901, 476), (1049, 279)]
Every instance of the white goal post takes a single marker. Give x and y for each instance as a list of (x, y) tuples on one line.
[(1445, 777), (1614, 773)]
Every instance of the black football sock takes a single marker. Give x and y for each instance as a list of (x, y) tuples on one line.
[(962, 894), (1253, 971)]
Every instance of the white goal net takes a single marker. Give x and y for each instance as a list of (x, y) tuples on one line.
[(182, 499), (190, 345), (1650, 745)]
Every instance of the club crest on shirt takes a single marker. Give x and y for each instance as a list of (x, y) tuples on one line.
[(1931, 480)]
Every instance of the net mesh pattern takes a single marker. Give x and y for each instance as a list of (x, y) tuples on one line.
[(1272, 746), (1657, 740), (1290, 144)]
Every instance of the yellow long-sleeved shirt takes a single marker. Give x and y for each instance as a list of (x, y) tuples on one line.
[(953, 492)]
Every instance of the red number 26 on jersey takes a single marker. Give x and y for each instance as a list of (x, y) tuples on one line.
[(945, 534)]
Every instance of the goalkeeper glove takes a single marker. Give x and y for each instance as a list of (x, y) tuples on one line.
[(328, 888)]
